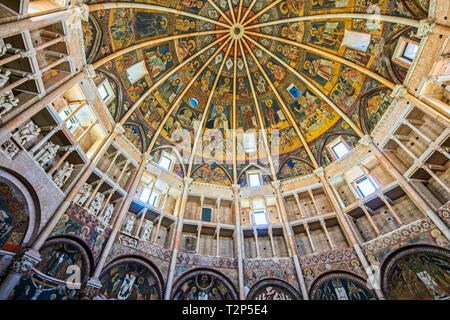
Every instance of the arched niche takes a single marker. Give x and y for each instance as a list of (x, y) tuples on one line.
[(130, 278), (19, 214), (340, 285), (203, 284), (273, 289), (65, 264), (418, 272)]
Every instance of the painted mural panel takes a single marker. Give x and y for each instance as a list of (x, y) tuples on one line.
[(130, 279), (14, 215), (204, 285), (418, 273), (272, 289), (341, 286), (64, 266)]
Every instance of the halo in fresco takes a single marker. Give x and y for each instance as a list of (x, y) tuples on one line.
[(273, 289), (204, 285), (340, 286), (130, 279), (417, 273)]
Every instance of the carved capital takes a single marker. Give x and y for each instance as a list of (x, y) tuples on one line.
[(320, 172), (119, 129), (366, 140), (90, 289), (187, 181), (425, 27), (28, 54), (236, 187), (276, 184), (23, 263), (399, 91), (89, 70), (34, 76), (84, 11), (147, 158)]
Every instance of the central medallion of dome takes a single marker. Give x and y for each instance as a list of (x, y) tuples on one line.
[(237, 31)]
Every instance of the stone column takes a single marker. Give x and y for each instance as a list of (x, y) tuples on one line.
[(238, 240), (176, 244), (47, 137), (255, 235), (20, 267), (373, 278), (290, 239), (94, 282), (324, 227), (308, 233)]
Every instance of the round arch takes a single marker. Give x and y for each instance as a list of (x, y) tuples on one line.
[(20, 211), (340, 285), (416, 272), (203, 284), (131, 278), (273, 289)]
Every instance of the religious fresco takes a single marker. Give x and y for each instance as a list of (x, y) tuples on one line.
[(14, 216), (130, 279), (273, 289), (343, 85), (373, 106), (259, 270), (417, 273), (341, 286), (211, 173), (203, 285), (76, 221), (134, 134), (64, 266), (294, 168)]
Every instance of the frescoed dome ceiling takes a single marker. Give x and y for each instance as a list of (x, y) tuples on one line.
[(212, 53)]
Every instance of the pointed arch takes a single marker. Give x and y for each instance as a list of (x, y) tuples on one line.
[(209, 163)]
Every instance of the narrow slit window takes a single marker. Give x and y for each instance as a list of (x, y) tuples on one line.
[(145, 195), (153, 199), (206, 214)]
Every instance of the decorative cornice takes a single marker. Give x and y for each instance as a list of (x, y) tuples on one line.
[(320, 172), (425, 27)]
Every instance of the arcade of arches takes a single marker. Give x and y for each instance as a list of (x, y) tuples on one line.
[(224, 150)]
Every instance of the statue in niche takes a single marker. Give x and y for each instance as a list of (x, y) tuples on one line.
[(63, 174), (147, 230), (97, 203), (27, 133), (4, 77), (128, 228), (48, 154), (108, 213), (83, 194), (7, 102)]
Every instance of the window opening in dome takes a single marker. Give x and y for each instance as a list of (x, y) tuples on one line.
[(250, 142), (259, 212), (410, 51), (105, 90), (136, 72), (340, 150), (366, 186), (356, 40), (295, 93), (165, 162), (254, 179), (206, 214), (193, 102)]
